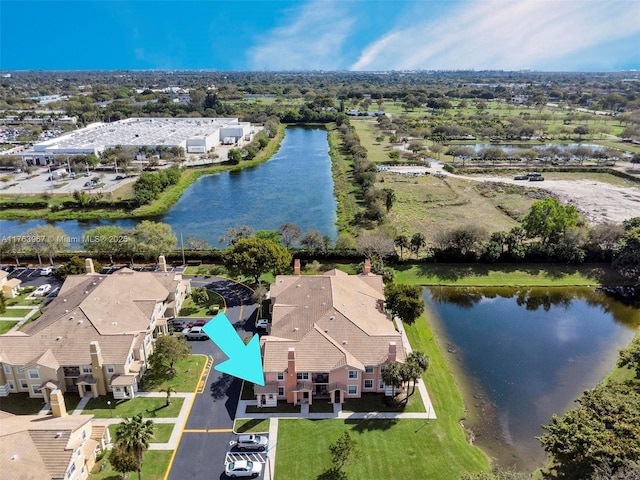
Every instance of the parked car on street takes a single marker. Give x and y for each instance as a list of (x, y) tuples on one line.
[(178, 325), (243, 468), (262, 323), (42, 290), (46, 271), (252, 442), (195, 333)]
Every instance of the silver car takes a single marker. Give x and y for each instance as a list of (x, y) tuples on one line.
[(243, 468)]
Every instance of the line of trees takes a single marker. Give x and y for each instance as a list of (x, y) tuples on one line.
[(150, 185)]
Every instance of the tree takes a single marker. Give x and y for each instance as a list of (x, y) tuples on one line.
[(402, 242), (235, 156), (376, 246), (289, 233), (253, 257), (168, 390), (549, 220), (389, 198), (405, 301), (168, 350), (200, 296), (46, 240), (152, 239), (13, 247), (630, 357), (314, 240), (417, 242), (343, 451), (3, 303), (418, 362), (627, 257), (232, 235), (133, 435), (104, 241), (75, 266), (122, 460), (393, 374), (601, 430)]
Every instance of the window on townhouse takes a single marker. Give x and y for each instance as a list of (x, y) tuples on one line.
[(352, 389), (86, 369), (7, 368), (281, 391), (381, 384), (303, 375), (71, 470), (84, 434), (368, 369), (34, 374), (36, 390), (111, 370), (24, 384), (12, 386), (19, 370), (353, 374), (368, 384), (280, 376)]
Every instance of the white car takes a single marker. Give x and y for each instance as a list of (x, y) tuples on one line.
[(242, 468), (46, 271), (262, 323), (42, 290), (195, 333)]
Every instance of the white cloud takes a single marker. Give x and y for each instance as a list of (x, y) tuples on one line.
[(504, 34), (312, 40)]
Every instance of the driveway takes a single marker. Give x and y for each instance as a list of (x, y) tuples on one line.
[(205, 439)]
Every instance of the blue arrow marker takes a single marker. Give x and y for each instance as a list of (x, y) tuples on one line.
[(244, 360)]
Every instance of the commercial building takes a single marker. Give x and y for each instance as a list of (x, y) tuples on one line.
[(194, 135), (330, 338)]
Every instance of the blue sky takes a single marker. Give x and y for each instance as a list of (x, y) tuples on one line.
[(568, 35)]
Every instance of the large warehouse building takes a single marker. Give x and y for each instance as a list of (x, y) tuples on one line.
[(195, 135)]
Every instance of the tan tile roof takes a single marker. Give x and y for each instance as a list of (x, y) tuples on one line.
[(331, 320), (34, 447), (113, 309), (13, 283)]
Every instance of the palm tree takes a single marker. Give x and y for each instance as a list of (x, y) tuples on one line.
[(134, 435), (402, 242), (169, 390), (418, 363)]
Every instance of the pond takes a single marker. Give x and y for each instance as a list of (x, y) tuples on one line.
[(525, 354), (295, 185)]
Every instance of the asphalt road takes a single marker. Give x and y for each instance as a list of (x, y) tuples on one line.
[(208, 431)]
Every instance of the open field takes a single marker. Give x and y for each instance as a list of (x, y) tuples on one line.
[(154, 466)]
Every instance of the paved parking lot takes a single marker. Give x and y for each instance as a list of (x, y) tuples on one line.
[(31, 277)]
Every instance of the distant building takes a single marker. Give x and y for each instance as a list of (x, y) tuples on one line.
[(194, 135)]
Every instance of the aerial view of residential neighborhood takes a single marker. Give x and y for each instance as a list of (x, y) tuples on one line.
[(320, 240)]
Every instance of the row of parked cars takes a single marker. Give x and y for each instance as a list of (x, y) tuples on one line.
[(190, 330), (246, 468)]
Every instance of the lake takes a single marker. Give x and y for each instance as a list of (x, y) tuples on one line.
[(522, 355), (295, 185)]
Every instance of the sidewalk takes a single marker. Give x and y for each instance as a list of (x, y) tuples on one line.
[(23, 320), (179, 421)]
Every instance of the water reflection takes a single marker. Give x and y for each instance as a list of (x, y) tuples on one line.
[(524, 354)]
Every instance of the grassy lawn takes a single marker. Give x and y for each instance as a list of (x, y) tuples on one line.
[(21, 404), (185, 379), (321, 406), (251, 425), (376, 402), (161, 432), (16, 312), (6, 325), (21, 299), (391, 449), (191, 309), (154, 466), (71, 400), (148, 407), (507, 275)]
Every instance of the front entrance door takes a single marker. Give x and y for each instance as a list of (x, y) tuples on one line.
[(338, 396)]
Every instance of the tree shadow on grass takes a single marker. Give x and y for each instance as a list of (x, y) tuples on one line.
[(367, 425), (249, 425)]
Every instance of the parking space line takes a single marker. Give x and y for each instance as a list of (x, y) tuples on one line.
[(205, 375), (193, 430)]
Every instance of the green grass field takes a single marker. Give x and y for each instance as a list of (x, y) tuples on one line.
[(185, 379), (15, 312), (154, 466), (6, 325), (246, 425), (161, 432), (149, 407)]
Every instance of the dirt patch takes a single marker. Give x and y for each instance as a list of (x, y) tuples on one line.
[(599, 202)]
